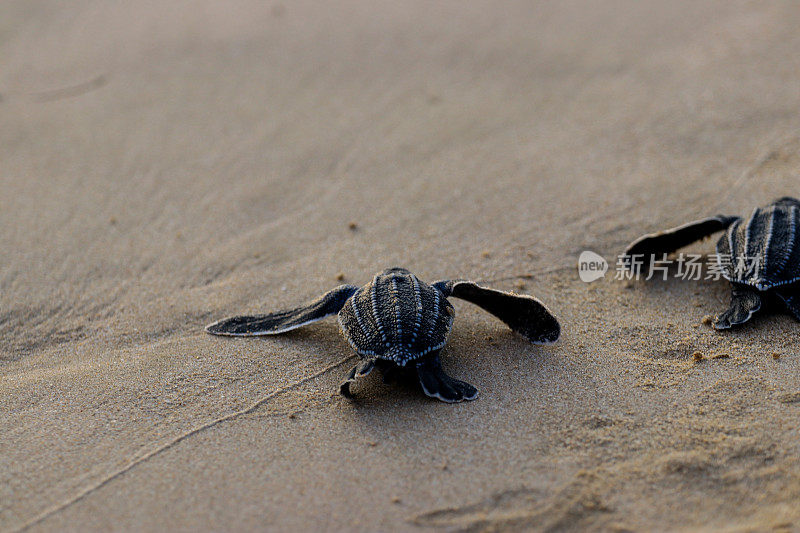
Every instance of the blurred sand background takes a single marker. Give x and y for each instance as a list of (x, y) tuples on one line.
[(166, 164)]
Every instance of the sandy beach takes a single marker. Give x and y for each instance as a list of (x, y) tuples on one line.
[(164, 165)]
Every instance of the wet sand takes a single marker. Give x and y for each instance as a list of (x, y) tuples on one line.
[(163, 167)]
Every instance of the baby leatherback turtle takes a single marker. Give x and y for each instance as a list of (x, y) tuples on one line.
[(758, 255), (396, 321)]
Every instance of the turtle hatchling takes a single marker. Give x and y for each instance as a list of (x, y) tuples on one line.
[(398, 322), (759, 255)]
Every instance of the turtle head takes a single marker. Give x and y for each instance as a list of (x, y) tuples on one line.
[(395, 270), (787, 200)]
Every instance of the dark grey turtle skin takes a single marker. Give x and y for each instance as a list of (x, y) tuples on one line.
[(761, 255), (398, 322)]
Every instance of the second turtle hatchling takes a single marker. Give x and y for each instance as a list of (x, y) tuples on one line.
[(398, 322), (759, 254)]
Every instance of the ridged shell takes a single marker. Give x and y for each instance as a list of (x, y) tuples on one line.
[(396, 317), (762, 251)]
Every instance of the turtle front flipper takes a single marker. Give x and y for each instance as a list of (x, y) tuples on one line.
[(436, 384), (744, 302), (522, 313), (358, 371), (791, 297), (271, 324), (640, 253)]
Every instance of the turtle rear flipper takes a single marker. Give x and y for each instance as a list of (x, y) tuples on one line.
[(358, 371), (328, 304), (667, 241), (436, 384), (791, 297), (744, 302), (522, 313)]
